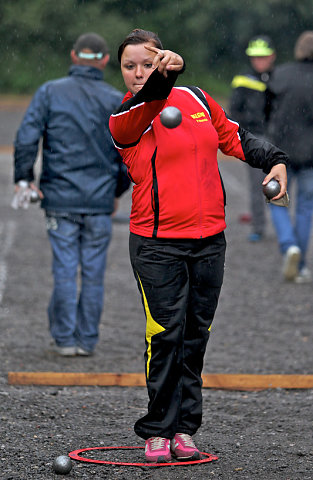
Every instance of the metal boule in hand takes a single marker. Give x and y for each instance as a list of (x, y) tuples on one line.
[(34, 196), (171, 117), (271, 189)]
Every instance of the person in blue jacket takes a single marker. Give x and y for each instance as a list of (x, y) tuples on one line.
[(81, 178)]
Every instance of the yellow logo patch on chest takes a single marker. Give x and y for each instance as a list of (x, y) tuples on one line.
[(199, 117)]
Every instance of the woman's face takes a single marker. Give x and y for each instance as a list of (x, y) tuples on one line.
[(136, 66)]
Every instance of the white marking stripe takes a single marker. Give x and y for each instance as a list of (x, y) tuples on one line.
[(3, 279), (7, 232)]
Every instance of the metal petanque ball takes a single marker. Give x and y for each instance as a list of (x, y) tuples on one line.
[(34, 196), (271, 189), (62, 464), (171, 117)]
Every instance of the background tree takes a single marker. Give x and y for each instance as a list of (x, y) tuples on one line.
[(211, 35)]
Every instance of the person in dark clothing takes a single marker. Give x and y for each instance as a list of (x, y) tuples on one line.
[(81, 177), (177, 243), (249, 104), (291, 127)]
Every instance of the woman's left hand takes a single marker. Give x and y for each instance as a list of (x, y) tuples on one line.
[(279, 173), (165, 60)]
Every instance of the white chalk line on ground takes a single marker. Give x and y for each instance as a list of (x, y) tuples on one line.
[(7, 234)]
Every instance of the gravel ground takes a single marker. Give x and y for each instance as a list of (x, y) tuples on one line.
[(262, 326)]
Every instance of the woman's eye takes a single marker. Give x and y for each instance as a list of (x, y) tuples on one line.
[(148, 65), (129, 67)]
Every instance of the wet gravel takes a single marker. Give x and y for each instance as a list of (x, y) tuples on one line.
[(262, 326)]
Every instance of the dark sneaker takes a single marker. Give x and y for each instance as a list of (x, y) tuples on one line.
[(157, 450), (183, 447)]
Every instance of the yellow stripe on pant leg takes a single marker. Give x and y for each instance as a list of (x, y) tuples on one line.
[(152, 327)]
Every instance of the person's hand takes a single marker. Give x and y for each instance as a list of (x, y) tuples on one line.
[(32, 186), (21, 198), (166, 60), (279, 173), (23, 194)]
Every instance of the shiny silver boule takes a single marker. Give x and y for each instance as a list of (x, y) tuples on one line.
[(34, 196), (62, 464), (171, 117), (271, 189)]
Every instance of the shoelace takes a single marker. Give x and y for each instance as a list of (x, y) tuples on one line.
[(157, 443), (186, 439)]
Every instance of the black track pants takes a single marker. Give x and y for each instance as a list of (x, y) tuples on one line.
[(180, 283)]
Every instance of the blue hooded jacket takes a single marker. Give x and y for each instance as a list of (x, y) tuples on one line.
[(81, 169)]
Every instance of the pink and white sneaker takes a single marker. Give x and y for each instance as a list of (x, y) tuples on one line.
[(183, 447), (158, 450)]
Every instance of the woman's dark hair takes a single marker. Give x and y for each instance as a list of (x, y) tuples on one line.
[(138, 36)]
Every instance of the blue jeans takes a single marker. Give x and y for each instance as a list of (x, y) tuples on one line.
[(77, 240), (296, 231)]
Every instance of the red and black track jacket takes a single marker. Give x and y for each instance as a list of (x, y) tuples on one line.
[(178, 191)]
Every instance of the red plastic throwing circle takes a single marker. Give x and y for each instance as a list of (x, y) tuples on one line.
[(75, 455)]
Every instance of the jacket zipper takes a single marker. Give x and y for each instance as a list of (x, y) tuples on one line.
[(199, 186)]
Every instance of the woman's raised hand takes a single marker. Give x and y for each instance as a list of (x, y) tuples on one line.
[(165, 60)]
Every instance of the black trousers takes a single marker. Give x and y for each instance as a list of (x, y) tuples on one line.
[(180, 283)]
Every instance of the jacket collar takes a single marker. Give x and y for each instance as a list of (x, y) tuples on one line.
[(86, 71)]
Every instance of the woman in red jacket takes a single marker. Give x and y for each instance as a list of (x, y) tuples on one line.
[(177, 243)]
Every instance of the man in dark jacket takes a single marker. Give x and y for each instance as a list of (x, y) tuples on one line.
[(291, 128), (249, 107), (81, 178)]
